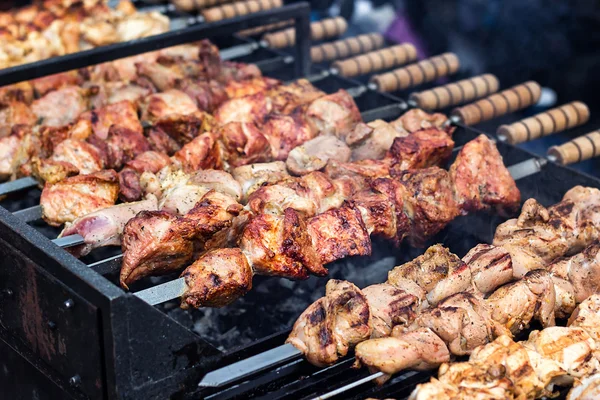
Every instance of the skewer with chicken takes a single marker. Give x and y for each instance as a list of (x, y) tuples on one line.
[(440, 279)]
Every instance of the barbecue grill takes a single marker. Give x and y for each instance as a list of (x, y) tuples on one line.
[(75, 333)]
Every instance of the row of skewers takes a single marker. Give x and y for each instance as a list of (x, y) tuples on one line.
[(540, 267)]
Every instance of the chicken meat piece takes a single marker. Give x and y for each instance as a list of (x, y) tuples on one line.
[(250, 109), (280, 245), (314, 154), (377, 212), (517, 304), (122, 114), (154, 243), (130, 188), (15, 113), (160, 105), (297, 94), (481, 180), (105, 227), (429, 201), (332, 325), (76, 196), (334, 114), (490, 267), (587, 317), (252, 177), (217, 279), (588, 389), (60, 107), (200, 153), (421, 149), (247, 87), (391, 306), (420, 349), (243, 143), (416, 119), (339, 233)]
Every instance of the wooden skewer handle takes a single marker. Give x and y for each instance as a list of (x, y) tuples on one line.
[(456, 93), (239, 8), (191, 5), (376, 60), (412, 75), (324, 29), (547, 123), (266, 28), (504, 102), (579, 149), (346, 47)]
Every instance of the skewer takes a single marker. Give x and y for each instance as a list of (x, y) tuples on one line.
[(324, 29), (354, 384)]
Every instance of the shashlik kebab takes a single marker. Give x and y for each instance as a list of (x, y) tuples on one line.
[(529, 369), (463, 321), (53, 28), (520, 244)]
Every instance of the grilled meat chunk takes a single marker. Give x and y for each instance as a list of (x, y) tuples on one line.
[(416, 119), (184, 128), (332, 325), (333, 114), (200, 153), (248, 87), (481, 180), (122, 114), (216, 279), (122, 146), (314, 154), (105, 227), (130, 188), (298, 93), (253, 108), (243, 143), (15, 113), (421, 149), (280, 245), (160, 105), (252, 177), (60, 107), (390, 306), (76, 196)]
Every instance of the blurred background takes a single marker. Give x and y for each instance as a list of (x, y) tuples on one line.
[(554, 42)]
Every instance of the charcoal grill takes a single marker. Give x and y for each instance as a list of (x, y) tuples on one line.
[(67, 330)]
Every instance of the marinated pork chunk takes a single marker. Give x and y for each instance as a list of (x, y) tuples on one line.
[(421, 149), (251, 177), (200, 153), (130, 188), (70, 157), (122, 114), (61, 107), (416, 119), (121, 145), (105, 227), (15, 113), (333, 114), (314, 154), (298, 93), (185, 128), (243, 143), (248, 87), (250, 109), (285, 132), (172, 101), (76, 196)]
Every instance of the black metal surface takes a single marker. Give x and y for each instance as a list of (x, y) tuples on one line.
[(297, 11)]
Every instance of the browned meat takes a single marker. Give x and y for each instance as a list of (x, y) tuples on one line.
[(22, 91), (332, 325), (154, 243), (377, 212), (280, 245), (335, 114), (416, 119), (216, 279), (123, 145), (160, 105), (481, 180), (129, 177), (253, 108), (314, 154), (207, 95), (243, 143), (161, 142), (51, 136), (46, 84), (372, 140), (429, 201), (284, 132), (69, 157), (339, 233), (15, 113), (123, 114), (247, 87), (421, 149), (184, 128), (73, 197), (299, 93), (390, 306), (60, 107), (200, 153), (363, 168)]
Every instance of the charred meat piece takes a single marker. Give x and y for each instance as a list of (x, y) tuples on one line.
[(216, 279), (377, 212), (390, 306), (339, 233), (207, 95), (121, 146), (481, 180), (280, 245), (130, 188), (372, 140), (105, 227), (332, 325), (184, 128), (161, 142), (299, 93), (76, 196), (285, 132), (421, 149)]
